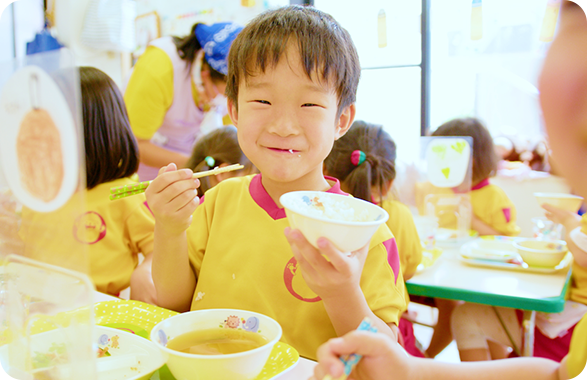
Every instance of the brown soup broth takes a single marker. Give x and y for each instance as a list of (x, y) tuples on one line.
[(216, 341)]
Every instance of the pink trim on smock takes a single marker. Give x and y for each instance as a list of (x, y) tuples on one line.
[(481, 184)]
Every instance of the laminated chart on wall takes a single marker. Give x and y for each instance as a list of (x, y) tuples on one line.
[(381, 29), (550, 20), (445, 182), (477, 20)]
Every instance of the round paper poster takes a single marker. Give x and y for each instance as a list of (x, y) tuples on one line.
[(38, 148)]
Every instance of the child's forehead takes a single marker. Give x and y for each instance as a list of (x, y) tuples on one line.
[(259, 72)]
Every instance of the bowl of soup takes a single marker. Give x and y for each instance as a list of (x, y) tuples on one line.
[(216, 344), (541, 253), (349, 223)]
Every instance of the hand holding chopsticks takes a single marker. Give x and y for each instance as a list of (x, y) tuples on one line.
[(137, 188), (351, 360)]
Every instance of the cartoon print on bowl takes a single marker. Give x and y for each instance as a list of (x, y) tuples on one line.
[(162, 337), (252, 324), (108, 343), (234, 322)]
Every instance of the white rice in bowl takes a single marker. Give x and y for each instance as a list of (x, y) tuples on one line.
[(326, 207)]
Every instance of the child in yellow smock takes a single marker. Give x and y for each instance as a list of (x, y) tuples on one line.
[(364, 162), (493, 212), (112, 233), (292, 78)]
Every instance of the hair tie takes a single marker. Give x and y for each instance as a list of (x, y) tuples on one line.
[(210, 161), (358, 157)]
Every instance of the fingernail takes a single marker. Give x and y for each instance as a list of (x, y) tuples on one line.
[(322, 243), (187, 172)]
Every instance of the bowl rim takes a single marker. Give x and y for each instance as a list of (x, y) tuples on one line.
[(563, 243), (557, 195), (334, 221), (271, 343)]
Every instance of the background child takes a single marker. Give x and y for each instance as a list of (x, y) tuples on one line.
[(493, 212), (292, 79), (486, 338), (112, 232), (563, 81), (364, 162), (218, 148)]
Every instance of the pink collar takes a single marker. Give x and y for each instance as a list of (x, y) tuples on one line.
[(481, 184), (262, 198)]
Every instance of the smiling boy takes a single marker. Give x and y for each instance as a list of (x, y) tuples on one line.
[(292, 80)]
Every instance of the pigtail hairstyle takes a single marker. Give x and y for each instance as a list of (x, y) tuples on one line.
[(111, 149), (213, 149), (378, 167), (485, 159)]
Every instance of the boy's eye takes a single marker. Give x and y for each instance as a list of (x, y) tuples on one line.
[(262, 101), (310, 105)]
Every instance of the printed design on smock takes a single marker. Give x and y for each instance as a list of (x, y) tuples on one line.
[(507, 212), (89, 228), (295, 283), (106, 344), (238, 323)]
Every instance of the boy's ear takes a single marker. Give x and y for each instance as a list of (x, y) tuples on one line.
[(345, 121), (232, 112)]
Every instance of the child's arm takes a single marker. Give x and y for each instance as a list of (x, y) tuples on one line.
[(482, 228), (142, 287), (336, 279), (570, 221), (384, 359), (173, 198)]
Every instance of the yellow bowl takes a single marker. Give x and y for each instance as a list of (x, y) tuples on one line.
[(244, 365), (349, 223), (541, 253), (563, 201)]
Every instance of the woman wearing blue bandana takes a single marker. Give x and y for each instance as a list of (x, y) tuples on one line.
[(174, 86)]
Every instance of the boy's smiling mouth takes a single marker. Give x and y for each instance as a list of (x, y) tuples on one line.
[(279, 150)]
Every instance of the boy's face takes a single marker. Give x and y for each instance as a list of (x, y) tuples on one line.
[(287, 123), (563, 96)]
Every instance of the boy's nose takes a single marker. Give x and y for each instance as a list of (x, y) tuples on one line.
[(285, 124)]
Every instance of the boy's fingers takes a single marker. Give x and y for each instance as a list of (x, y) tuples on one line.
[(168, 177), (307, 250)]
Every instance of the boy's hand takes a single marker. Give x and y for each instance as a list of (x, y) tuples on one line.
[(381, 357), (338, 275), (568, 219), (172, 197)]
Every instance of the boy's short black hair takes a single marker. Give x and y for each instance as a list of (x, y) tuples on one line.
[(111, 149), (324, 47)]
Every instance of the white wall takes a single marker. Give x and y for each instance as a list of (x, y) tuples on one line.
[(6, 35), (69, 18)]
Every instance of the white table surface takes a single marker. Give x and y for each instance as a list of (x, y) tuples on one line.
[(301, 371)]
